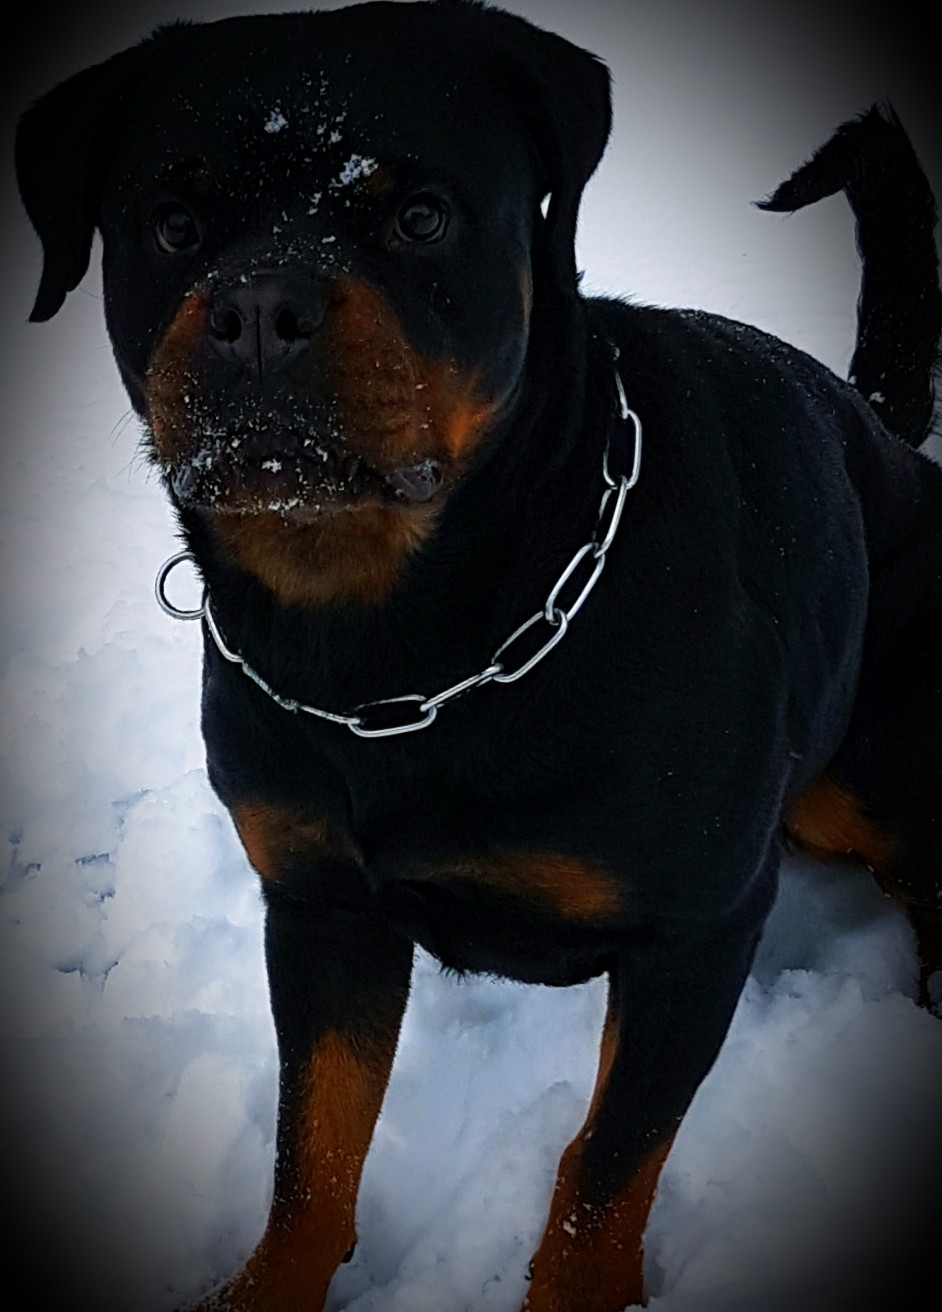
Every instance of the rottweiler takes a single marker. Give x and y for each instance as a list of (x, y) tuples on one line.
[(535, 625)]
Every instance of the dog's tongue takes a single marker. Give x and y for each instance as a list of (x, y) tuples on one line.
[(416, 483)]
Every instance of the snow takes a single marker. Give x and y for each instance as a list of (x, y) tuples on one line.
[(139, 1087), (356, 167), (276, 121)]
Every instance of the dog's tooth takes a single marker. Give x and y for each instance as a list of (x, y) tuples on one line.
[(417, 483)]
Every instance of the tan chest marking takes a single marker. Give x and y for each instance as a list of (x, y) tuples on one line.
[(276, 836), (574, 889)]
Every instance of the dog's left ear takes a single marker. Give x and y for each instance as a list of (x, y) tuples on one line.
[(63, 144), (563, 95)]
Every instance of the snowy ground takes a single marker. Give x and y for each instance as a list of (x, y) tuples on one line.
[(138, 1060)]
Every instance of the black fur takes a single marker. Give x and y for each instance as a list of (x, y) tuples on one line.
[(768, 621)]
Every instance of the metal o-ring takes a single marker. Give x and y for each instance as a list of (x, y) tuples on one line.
[(160, 588)]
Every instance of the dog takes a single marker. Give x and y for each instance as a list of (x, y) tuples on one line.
[(536, 626)]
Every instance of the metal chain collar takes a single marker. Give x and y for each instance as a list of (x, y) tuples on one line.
[(584, 568)]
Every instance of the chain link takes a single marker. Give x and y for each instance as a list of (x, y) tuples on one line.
[(422, 710)]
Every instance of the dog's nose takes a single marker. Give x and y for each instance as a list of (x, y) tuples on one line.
[(266, 320)]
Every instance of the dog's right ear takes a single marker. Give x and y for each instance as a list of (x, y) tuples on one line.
[(63, 146), (562, 95)]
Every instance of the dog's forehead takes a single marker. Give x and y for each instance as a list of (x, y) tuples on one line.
[(256, 93)]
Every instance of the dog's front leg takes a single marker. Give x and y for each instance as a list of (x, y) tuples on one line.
[(670, 1003), (339, 980)]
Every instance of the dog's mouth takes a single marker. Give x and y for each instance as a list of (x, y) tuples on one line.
[(300, 481), (355, 417)]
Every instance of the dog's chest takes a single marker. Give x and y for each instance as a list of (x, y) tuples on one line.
[(457, 870)]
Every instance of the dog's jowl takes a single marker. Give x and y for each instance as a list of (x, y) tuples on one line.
[(536, 625)]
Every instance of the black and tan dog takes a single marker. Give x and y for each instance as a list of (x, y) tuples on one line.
[(473, 679)]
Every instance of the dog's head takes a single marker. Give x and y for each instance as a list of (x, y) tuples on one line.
[(323, 238)]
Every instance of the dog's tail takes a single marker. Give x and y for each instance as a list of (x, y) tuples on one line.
[(899, 314)]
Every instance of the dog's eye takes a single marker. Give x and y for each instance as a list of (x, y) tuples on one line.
[(422, 219), (174, 229)]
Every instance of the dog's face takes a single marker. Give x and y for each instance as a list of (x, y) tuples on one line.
[(330, 308), (316, 303)]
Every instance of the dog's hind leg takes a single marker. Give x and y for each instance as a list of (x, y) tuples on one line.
[(892, 760), (881, 798)]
